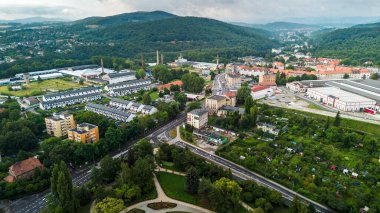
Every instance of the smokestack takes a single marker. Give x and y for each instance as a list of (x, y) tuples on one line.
[(162, 58), (27, 80), (101, 64), (158, 59), (142, 61), (217, 60)]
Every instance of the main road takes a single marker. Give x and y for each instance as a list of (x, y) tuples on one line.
[(245, 174), (36, 202)]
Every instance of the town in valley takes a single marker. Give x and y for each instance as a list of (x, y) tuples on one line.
[(157, 112)]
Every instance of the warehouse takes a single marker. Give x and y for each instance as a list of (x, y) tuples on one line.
[(341, 99)]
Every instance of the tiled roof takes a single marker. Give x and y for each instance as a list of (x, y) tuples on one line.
[(258, 88), (69, 98), (198, 112), (24, 166), (217, 97)]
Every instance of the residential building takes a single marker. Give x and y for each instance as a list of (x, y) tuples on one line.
[(340, 99), (24, 169), (121, 76), (85, 133), (72, 93), (58, 124), (259, 92), (215, 102), (31, 101), (112, 113), (224, 110), (133, 106), (267, 80), (252, 71), (47, 105), (296, 86), (197, 118), (128, 87), (278, 65), (269, 128), (167, 86), (233, 80)]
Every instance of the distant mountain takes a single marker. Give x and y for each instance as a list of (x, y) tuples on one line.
[(355, 45), (136, 17), (339, 22), (281, 26), (32, 20)]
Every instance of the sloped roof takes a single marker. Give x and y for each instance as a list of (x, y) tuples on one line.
[(24, 166)]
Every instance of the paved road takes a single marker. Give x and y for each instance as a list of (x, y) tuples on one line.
[(36, 202), (219, 85), (245, 174)]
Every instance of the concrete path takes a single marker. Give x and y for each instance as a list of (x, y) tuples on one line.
[(181, 206)]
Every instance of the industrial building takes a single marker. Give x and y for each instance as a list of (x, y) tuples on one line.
[(121, 76), (340, 99)]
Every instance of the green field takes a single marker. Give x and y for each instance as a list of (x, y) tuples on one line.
[(173, 186), (40, 88), (154, 95), (314, 106)]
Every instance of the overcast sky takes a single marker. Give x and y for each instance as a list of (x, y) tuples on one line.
[(250, 11)]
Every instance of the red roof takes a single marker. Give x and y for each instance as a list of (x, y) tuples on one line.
[(9, 179), (167, 86), (230, 94), (258, 88), (24, 166)]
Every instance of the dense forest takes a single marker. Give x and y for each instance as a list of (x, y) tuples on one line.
[(129, 36), (355, 45)]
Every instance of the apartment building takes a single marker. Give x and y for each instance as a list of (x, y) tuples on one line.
[(197, 118), (85, 133), (267, 80), (233, 80), (112, 113), (215, 102), (129, 87), (63, 99), (59, 123)]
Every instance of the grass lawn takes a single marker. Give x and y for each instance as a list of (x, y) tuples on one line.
[(40, 88), (154, 95), (314, 106), (173, 133)]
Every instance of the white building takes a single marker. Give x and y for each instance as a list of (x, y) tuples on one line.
[(269, 128), (340, 99), (128, 87), (110, 112), (133, 106), (252, 71), (118, 77), (197, 118), (296, 86), (259, 92)]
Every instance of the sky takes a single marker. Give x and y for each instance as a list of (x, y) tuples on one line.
[(249, 11)]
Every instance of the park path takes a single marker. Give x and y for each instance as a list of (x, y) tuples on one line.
[(162, 197)]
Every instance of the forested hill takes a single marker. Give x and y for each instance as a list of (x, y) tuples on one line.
[(170, 34), (355, 45), (128, 36), (124, 18)]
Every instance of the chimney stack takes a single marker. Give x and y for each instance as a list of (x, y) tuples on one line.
[(142, 61), (101, 64), (158, 59), (162, 58), (27, 79)]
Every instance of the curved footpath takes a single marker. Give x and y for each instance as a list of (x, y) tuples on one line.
[(181, 206)]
